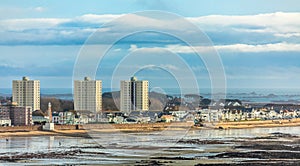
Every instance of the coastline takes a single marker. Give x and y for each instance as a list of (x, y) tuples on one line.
[(84, 131), (258, 124), (70, 133)]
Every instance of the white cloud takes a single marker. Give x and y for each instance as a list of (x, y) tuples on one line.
[(277, 47), (132, 48), (94, 18), (171, 67), (44, 23), (273, 22), (30, 23), (157, 67), (288, 35), (277, 22), (172, 48), (39, 9), (117, 49), (239, 31)]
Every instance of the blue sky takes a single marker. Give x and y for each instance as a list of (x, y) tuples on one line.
[(258, 41)]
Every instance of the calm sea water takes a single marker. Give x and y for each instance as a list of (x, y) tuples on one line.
[(120, 149), (244, 94)]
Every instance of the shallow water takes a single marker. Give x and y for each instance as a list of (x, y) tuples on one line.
[(126, 148)]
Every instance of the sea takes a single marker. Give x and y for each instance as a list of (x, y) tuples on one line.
[(260, 95), (121, 149)]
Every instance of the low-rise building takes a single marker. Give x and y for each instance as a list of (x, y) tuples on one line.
[(4, 116), (179, 115), (39, 117), (85, 117), (67, 117), (168, 118), (39, 120), (5, 122), (272, 114), (11, 114), (289, 113), (210, 115), (20, 115), (55, 118)]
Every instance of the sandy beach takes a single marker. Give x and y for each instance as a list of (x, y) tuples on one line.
[(74, 133), (257, 146), (256, 124), (83, 132)]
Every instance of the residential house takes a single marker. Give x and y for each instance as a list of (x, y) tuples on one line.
[(210, 115)]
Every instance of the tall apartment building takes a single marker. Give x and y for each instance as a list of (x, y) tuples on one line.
[(26, 93), (88, 95), (134, 95)]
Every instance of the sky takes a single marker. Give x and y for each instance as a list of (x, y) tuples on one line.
[(258, 41)]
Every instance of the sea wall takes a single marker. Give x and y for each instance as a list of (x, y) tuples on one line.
[(143, 126), (35, 128), (20, 128)]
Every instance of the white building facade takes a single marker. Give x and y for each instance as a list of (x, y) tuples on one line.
[(26, 92), (134, 95), (88, 95)]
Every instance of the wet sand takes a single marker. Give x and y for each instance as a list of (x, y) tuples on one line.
[(278, 146), (273, 149), (76, 133), (70, 133), (257, 124), (277, 149), (100, 128), (146, 128)]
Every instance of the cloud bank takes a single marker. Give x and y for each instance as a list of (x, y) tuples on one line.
[(250, 33)]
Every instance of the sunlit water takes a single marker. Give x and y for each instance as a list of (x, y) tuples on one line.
[(119, 149)]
